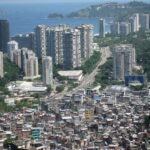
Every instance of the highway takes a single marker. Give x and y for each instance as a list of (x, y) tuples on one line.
[(89, 78)]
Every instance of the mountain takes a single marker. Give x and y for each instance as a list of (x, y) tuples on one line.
[(116, 10)]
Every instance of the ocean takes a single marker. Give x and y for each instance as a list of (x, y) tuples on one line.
[(24, 17)]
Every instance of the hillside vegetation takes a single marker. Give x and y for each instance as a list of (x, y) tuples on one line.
[(12, 73), (119, 11)]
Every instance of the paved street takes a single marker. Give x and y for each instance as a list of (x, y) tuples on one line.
[(89, 78)]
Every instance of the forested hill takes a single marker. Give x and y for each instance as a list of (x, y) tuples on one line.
[(113, 10)]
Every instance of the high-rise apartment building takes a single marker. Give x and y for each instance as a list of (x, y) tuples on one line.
[(27, 61), (125, 28), (17, 58), (54, 43), (144, 21), (4, 35), (25, 40), (40, 40), (123, 61), (31, 68), (137, 18), (47, 70), (102, 28), (11, 46), (1, 65), (135, 22), (132, 24), (115, 28), (25, 55), (72, 48), (86, 40)]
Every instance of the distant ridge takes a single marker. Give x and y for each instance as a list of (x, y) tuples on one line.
[(55, 16), (113, 9)]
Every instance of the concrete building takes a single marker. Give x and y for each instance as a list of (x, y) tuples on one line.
[(25, 40), (124, 28), (31, 68), (1, 65), (24, 86), (144, 21), (137, 26), (11, 46), (47, 70), (75, 75), (17, 58), (4, 35), (86, 40), (132, 24), (29, 63), (54, 42), (114, 28), (26, 60), (135, 22), (40, 40), (123, 61), (25, 55), (72, 48), (102, 28)]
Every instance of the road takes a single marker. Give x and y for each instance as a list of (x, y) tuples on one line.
[(90, 78)]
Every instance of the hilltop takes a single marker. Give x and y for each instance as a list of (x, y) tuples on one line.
[(112, 10), (55, 16)]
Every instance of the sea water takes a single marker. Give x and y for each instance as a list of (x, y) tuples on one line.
[(23, 17)]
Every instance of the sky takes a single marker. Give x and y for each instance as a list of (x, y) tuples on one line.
[(41, 1)]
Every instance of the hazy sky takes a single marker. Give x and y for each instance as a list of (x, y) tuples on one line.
[(95, 1), (41, 1)]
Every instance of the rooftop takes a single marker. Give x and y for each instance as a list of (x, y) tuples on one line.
[(70, 73), (26, 86)]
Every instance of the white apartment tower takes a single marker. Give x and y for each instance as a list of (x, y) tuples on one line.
[(11, 46), (123, 60), (136, 22), (72, 48), (40, 41), (1, 65), (86, 40), (31, 68), (47, 70)]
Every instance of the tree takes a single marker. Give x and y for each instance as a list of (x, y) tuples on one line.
[(90, 64), (60, 88), (12, 73)]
